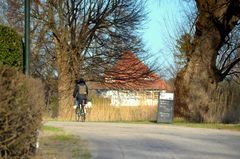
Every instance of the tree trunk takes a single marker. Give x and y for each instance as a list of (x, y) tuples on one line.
[(197, 92), (197, 81), (65, 86)]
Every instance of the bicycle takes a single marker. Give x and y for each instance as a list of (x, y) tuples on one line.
[(80, 114)]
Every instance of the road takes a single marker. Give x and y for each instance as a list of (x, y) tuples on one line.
[(154, 141)]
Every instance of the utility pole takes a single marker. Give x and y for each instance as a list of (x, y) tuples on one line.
[(26, 59)]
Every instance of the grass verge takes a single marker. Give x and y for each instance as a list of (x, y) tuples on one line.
[(182, 122), (55, 143)]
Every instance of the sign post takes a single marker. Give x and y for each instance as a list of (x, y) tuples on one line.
[(165, 107)]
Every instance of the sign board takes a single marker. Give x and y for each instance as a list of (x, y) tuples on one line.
[(165, 107)]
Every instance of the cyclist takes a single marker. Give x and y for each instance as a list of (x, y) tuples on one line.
[(80, 93)]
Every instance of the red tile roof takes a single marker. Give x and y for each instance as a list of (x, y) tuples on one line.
[(130, 73)]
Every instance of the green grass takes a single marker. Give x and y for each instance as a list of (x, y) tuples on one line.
[(55, 143), (79, 153), (59, 134), (182, 122), (51, 129), (64, 137)]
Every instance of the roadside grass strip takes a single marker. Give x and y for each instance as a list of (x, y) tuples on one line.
[(57, 144), (182, 122), (185, 123)]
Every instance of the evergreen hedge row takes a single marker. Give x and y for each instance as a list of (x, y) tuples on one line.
[(11, 47)]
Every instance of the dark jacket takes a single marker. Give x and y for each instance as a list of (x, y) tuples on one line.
[(76, 93)]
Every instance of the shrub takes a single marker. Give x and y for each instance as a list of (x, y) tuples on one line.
[(11, 47), (21, 104)]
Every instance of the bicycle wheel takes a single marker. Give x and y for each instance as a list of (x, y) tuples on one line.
[(82, 115), (77, 114)]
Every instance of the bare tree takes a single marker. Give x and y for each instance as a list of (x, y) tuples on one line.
[(79, 38), (213, 56), (12, 14), (87, 37), (229, 54)]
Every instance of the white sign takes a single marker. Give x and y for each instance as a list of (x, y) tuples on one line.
[(167, 96)]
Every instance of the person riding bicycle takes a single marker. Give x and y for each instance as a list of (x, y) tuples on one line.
[(80, 93)]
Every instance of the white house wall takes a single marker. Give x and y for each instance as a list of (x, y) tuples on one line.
[(131, 98)]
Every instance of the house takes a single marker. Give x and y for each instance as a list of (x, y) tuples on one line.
[(131, 83)]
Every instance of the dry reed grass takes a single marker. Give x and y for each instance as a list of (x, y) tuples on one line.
[(103, 111)]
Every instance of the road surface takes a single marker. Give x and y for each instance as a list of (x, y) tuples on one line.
[(154, 141)]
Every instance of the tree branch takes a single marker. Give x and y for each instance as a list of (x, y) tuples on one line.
[(229, 68)]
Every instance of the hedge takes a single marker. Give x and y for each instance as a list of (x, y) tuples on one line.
[(11, 47), (21, 107)]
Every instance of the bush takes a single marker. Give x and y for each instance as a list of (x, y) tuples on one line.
[(11, 47), (21, 106)]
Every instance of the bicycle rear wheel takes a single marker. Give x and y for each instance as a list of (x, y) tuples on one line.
[(82, 115), (77, 114)]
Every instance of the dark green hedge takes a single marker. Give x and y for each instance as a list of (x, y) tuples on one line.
[(11, 47)]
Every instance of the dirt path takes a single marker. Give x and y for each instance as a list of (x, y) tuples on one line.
[(147, 141)]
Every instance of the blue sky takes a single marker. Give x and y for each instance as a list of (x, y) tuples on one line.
[(162, 26)]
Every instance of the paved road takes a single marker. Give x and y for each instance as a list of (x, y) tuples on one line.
[(159, 141)]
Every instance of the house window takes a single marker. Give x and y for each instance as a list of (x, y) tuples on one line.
[(125, 91), (109, 80), (155, 95), (99, 92), (148, 94), (148, 79)]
